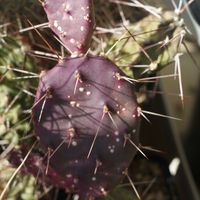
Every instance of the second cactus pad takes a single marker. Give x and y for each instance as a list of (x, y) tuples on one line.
[(73, 22)]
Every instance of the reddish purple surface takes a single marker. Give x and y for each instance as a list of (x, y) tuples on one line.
[(73, 22), (67, 115)]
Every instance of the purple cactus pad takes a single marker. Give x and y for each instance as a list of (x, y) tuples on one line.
[(73, 21), (83, 114)]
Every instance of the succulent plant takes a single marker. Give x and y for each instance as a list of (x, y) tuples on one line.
[(86, 123), (85, 115)]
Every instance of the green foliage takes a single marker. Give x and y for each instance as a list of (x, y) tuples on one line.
[(14, 102), (13, 91), (22, 188)]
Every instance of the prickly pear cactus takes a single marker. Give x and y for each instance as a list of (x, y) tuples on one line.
[(85, 123), (85, 119), (85, 115), (73, 22)]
